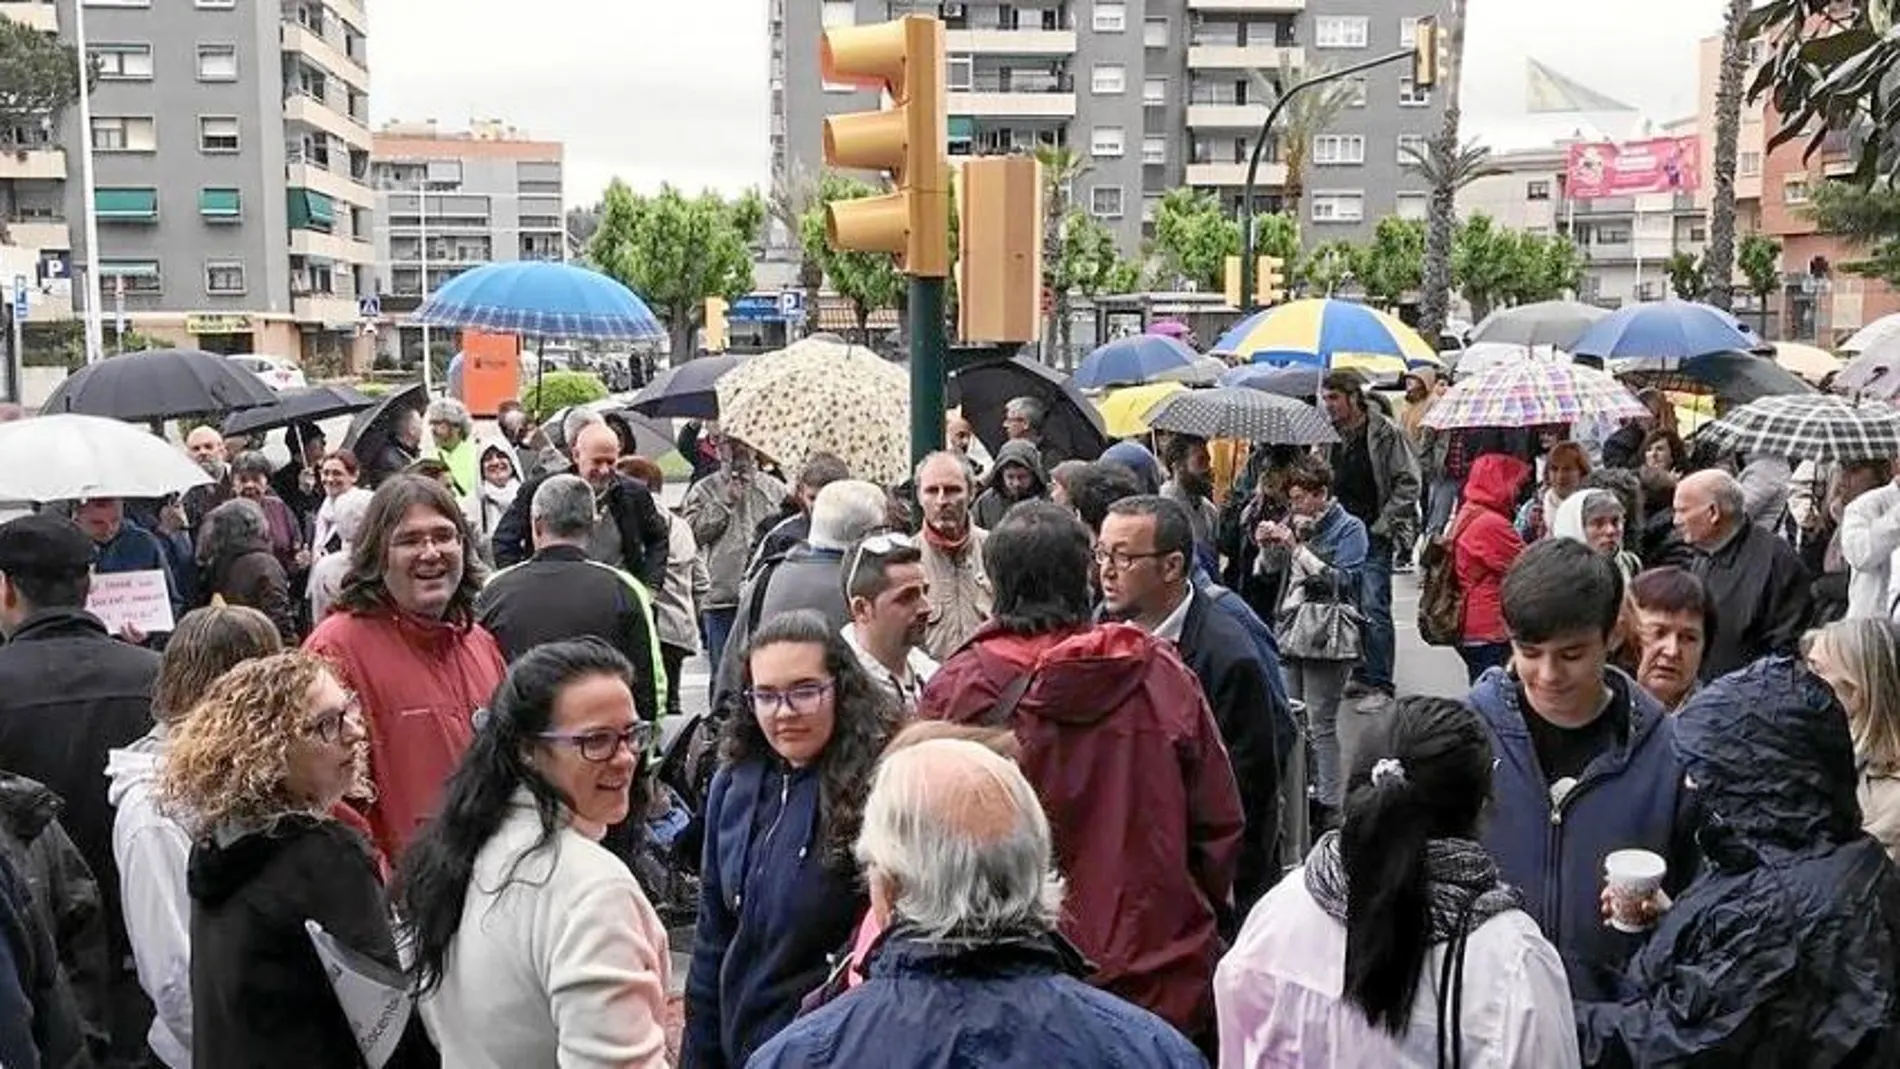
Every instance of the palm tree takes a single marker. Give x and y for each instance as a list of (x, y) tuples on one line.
[(1305, 117), (794, 193), (1435, 290), (1718, 262), (1061, 166)]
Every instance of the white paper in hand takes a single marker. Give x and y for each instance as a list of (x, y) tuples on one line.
[(375, 998)]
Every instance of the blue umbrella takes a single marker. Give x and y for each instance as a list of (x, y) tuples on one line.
[(1654, 335), (541, 299), (1132, 361), (1302, 382), (685, 391)]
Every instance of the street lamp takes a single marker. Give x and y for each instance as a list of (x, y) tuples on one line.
[(422, 227), (95, 313)]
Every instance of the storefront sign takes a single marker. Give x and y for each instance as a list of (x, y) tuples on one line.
[(218, 324)]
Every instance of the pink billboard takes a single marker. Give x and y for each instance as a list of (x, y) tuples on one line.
[(1659, 165)]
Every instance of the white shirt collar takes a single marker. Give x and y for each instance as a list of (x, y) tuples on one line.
[(918, 663), (1171, 624)]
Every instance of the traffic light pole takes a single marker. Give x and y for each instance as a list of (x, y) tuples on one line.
[(929, 349), (1247, 294)]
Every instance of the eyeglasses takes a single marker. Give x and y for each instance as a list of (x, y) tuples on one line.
[(422, 541), (802, 700), (875, 545), (1122, 559), (327, 726), (601, 746)]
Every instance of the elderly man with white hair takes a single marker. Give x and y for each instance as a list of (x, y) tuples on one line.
[(1755, 579), (970, 969), (453, 431)]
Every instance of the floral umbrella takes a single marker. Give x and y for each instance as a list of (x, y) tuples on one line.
[(825, 396)]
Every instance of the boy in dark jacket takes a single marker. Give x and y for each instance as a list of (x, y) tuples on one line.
[(1585, 760)]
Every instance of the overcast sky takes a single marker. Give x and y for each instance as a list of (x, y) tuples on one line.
[(675, 90)]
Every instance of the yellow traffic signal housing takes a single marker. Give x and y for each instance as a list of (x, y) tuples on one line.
[(713, 333), (905, 59), (1269, 280), (999, 232), (1425, 52)]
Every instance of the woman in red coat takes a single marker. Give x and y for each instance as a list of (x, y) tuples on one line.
[(1484, 544)]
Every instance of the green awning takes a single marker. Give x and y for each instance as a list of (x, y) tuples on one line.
[(128, 268), (311, 210), (962, 127), (220, 203), (126, 203)]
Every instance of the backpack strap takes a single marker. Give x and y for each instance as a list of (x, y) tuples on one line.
[(1007, 701)]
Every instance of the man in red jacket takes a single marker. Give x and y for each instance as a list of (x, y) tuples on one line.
[(403, 637), (1126, 757)]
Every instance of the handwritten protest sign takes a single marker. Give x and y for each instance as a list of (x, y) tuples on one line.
[(137, 598)]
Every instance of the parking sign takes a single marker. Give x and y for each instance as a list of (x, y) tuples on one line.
[(19, 297)]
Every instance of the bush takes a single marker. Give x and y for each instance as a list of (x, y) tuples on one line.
[(562, 389), (373, 389)]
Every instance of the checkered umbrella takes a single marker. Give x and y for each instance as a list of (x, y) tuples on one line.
[(1238, 412), (1533, 393), (1811, 426)]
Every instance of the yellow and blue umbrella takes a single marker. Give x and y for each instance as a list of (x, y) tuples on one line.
[(1330, 334), (1123, 410)]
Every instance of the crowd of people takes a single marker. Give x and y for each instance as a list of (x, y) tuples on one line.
[(1043, 767)]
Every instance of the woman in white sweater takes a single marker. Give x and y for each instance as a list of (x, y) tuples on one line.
[(534, 946)]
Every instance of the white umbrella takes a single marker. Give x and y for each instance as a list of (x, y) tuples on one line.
[(1878, 332), (67, 457)]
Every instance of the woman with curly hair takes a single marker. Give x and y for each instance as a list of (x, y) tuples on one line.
[(253, 773), (780, 890), (534, 945)]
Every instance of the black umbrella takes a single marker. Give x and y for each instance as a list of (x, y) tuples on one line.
[(159, 384), (371, 429), (1073, 426), (296, 406), (1735, 378), (685, 391)]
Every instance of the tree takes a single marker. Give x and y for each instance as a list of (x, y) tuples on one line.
[(1441, 215), (1870, 218), (1277, 234), (1485, 259), (1194, 237), (1718, 260), (581, 225), (675, 252), (1684, 271), (1831, 71), (1393, 263), (792, 196), (39, 80), (1760, 259), (1088, 262), (1304, 118), (1328, 266), (869, 280), (1552, 266), (1061, 166)]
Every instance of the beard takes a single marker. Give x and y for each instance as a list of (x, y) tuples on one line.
[(213, 467)]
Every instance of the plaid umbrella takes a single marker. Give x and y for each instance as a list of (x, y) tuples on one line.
[(822, 396), (1238, 412), (1533, 393), (1811, 426)]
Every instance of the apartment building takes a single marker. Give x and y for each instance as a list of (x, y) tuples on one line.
[(1152, 94), (231, 155), (447, 201), (35, 242)]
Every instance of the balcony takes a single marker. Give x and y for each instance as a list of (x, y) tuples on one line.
[(1253, 6), (306, 109), (325, 308), (351, 11), (301, 39), (37, 14), (331, 184), (330, 247), (45, 163), (1235, 174), (1226, 116), (37, 234), (999, 42), (1245, 57), (1013, 105)]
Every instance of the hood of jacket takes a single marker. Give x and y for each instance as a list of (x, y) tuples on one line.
[(1494, 480), (1086, 676), (1768, 752), (1024, 452), (27, 806), (225, 863), (1136, 458), (1568, 523), (136, 766)]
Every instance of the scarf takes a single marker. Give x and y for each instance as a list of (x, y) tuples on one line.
[(952, 548), (1462, 878)]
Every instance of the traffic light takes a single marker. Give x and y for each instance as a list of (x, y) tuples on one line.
[(905, 59), (713, 335), (999, 270), (1425, 52), (1272, 280)]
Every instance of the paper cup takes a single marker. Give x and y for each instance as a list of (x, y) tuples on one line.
[(1634, 877)]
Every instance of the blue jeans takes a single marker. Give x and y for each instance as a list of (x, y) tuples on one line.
[(718, 624), (1375, 603), (1482, 655), (1444, 498)]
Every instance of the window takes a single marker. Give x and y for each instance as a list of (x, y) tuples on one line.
[(1341, 31), (220, 205), (1105, 202), (1537, 189), (1335, 149), (1154, 150), (310, 210), (217, 133), (1355, 91), (123, 133), (118, 3), (1110, 17), (1410, 96), (1413, 206), (1411, 143), (1154, 33), (224, 277), (838, 13), (126, 205), (1150, 204), (139, 276), (222, 4), (1698, 234), (123, 63), (1613, 234), (1794, 189), (1339, 207), (1154, 92), (961, 73), (1408, 31), (1105, 141), (1109, 78), (217, 63), (1748, 164)]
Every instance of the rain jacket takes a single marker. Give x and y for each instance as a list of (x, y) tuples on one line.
[(675, 601), (420, 681), (1484, 544), (1127, 759), (1394, 471), (252, 577), (67, 974), (991, 505), (1630, 797), (1786, 950), (152, 850), (1870, 543), (1016, 1004), (724, 529)]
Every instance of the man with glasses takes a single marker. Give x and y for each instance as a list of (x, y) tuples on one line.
[(952, 553), (885, 590)]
